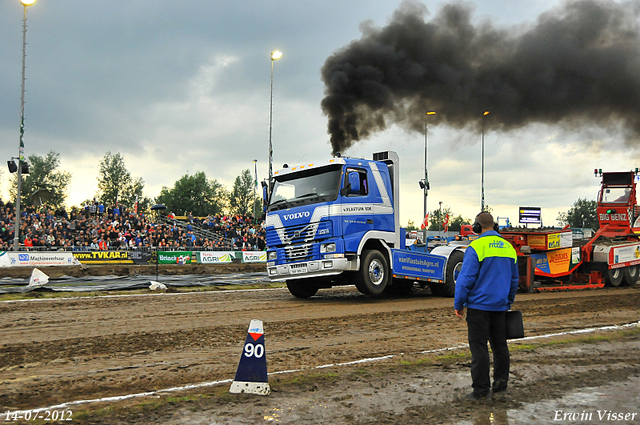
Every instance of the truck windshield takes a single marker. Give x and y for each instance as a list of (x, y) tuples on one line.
[(306, 187), (616, 195)]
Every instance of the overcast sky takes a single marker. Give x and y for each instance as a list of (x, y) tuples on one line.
[(181, 87)]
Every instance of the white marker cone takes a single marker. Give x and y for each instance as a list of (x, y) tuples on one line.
[(251, 376), (38, 278)]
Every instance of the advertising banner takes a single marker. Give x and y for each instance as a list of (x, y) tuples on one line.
[(625, 254), (424, 266), (103, 257), (551, 240), (254, 256), (4, 259), (557, 262), (175, 257), (140, 257), (215, 257), (39, 259)]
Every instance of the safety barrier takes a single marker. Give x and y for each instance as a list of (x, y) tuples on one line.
[(67, 258)]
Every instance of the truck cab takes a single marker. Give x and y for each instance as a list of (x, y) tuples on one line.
[(320, 216)]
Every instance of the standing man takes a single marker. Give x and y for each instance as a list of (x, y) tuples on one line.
[(487, 286)]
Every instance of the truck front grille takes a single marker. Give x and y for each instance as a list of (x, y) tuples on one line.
[(298, 234), (298, 252)]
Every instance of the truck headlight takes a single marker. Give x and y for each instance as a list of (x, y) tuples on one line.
[(273, 255), (327, 247)]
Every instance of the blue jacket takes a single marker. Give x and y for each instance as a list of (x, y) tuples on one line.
[(488, 279)]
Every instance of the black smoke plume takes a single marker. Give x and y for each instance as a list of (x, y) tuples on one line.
[(576, 65)]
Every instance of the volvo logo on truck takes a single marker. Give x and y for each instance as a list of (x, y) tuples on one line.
[(304, 214)]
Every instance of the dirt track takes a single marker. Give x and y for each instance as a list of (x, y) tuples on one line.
[(59, 350)]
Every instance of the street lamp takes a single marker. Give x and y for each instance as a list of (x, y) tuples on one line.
[(425, 185), (482, 199), (255, 184), (275, 55), (16, 229), (441, 218)]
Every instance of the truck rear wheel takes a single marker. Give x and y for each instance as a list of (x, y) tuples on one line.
[(614, 277), (374, 273), (302, 288), (454, 265), (630, 275)]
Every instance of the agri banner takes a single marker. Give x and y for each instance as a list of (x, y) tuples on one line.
[(103, 257), (38, 259), (254, 256), (215, 257), (175, 257)]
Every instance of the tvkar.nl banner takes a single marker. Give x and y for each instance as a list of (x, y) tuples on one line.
[(37, 259)]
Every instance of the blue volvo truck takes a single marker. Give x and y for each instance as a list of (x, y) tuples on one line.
[(337, 223)]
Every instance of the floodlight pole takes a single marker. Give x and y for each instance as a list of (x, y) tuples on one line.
[(275, 55), (16, 229), (255, 184), (482, 184)]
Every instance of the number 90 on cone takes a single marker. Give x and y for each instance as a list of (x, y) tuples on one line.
[(251, 376)]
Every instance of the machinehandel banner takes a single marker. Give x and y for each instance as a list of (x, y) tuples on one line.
[(103, 257), (254, 256), (215, 257), (175, 257), (37, 259)]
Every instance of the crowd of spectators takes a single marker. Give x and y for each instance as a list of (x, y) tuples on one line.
[(96, 227)]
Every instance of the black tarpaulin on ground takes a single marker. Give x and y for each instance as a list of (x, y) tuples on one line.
[(116, 283)]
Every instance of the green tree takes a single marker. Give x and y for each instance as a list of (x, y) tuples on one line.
[(194, 194), (436, 218), (583, 213), (411, 226), (455, 223), (114, 180), (241, 197), (43, 175), (115, 184)]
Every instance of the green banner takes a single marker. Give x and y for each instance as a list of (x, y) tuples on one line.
[(175, 257)]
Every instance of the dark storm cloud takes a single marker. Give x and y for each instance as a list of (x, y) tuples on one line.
[(577, 64)]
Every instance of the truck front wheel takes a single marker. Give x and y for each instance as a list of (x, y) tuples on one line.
[(454, 265), (301, 288), (374, 273)]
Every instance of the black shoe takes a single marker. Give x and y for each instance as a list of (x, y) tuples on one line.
[(499, 386), (477, 397)]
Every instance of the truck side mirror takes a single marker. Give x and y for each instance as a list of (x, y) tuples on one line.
[(352, 186), (265, 198), (354, 183)]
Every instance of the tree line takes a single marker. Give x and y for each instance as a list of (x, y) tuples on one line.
[(197, 194), (582, 214)]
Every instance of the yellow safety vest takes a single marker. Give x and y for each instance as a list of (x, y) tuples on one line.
[(493, 246)]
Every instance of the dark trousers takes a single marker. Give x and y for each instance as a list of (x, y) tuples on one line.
[(486, 326)]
